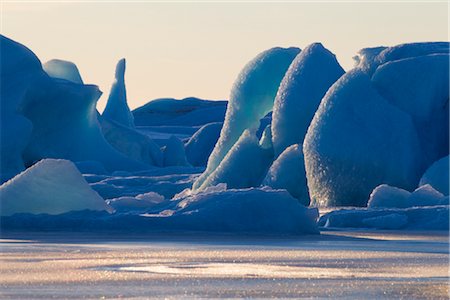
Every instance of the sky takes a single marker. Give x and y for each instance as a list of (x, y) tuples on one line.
[(183, 49)]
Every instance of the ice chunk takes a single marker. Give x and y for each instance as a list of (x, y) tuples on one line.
[(117, 108), (201, 144), (174, 153), (288, 172), (388, 196), (19, 70), (426, 195), (419, 86), (131, 143), (357, 141), (50, 186), (63, 69), (251, 98), (307, 80), (244, 166), (140, 202), (437, 176)]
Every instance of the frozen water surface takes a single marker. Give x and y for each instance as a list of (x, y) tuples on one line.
[(337, 264)]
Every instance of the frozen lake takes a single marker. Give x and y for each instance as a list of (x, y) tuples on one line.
[(335, 264)]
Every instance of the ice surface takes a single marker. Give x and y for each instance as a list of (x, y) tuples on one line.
[(414, 218), (201, 144), (437, 176), (131, 143), (388, 196), (91, 167), (357, 141), (251, 98), (117, 109), (307, 80), (62, 69), (174, 153), (187, 112), (288, 172), (49, 187), (419, 86), (244, 165), (19, 70)]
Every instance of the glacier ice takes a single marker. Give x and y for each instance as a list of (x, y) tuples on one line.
[(62, 69), (357, 141), (288, 172), (437, 176), (174, 153), (201, 144), (251, 98), (244, 165), (419, 86), (19, 70), (305, 83), (51, 186), (117, 109)]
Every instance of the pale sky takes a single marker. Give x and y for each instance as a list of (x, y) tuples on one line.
[(197, 49)]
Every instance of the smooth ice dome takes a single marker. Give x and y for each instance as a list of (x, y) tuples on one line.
[(288, 172), (357, 141), (174, 153), (117, 109), (51, 186), (202, 143), (437, 176), (251, 98), (388, 196), (305, 83), (62, 69)]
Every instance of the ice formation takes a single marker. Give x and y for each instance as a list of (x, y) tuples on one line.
[(201, 144), (117, 109), (288, 172), (266, 138), (141, 202), (62, 69), (356, 141), (131, 143), (307, 80), (251, 98), (174, 153), (49, 187), (419, 86), (244, 165), (437, 176), (19, 69)]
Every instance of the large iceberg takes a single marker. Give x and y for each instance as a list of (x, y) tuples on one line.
[(251, 98), (357, 141), (49, 187), (117, 109), (288, 172), (437, 176), (307, 80)]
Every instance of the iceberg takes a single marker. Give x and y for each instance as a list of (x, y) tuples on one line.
[(141, 202), (202, 143), (288, 172), (437, 176), (51, 186), (117, 109), (307, 80), (357, 141), (62, 69), (251, 98)]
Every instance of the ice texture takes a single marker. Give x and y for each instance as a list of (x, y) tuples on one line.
[(251, 98), (51, 186), (202, 143), (19, 70), (117, 108), (437, 176), (357, 141), (288, 172), (307, 80), (419, 86), (62, 69), (174, 153), (244, 165)]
